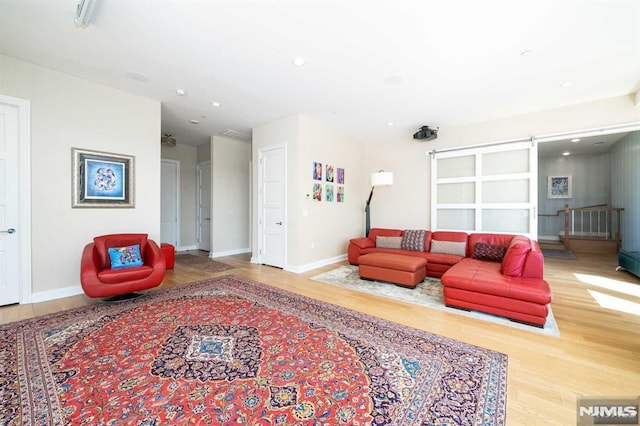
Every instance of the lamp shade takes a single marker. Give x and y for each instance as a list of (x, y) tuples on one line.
[(381, 178)]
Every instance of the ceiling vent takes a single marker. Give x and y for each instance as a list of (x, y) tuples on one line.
[(236, 135), (168, 140)]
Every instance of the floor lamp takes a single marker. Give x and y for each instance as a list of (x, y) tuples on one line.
[(380, 178)]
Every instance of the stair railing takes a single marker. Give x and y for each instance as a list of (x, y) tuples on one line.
[(599, 222)]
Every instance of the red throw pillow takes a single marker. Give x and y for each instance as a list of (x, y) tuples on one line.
[(513, 261)]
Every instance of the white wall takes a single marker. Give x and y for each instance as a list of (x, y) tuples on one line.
[(591, 176), (625, 162), (317, 232), (204, 153), (231, 192), (186, 155), (326, 229), (406, 203), (70, 112)]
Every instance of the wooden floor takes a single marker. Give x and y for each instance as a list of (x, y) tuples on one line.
[(597, 353)]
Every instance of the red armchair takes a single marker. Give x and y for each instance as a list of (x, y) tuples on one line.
[(99, 279)]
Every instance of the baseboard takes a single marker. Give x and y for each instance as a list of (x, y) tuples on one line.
[(310, 266), (58, 293), (214, 254), (186, 248), (254, 260)]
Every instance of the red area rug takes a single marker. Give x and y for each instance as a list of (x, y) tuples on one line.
[(233, 351)]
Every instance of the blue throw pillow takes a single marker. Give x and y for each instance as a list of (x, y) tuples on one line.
[(125, 257)]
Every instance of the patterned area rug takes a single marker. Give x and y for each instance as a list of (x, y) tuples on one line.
[(427, 293), (202, 263), (233, 351)]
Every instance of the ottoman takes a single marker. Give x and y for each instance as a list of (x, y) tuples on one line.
[(169, 254), (406, 271)]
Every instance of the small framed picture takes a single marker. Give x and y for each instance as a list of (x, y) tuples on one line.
[(330, 173), (317, 192), (559, 187), (317, 171), (102, 179), (328, 193)]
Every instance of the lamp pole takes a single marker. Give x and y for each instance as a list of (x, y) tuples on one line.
[(368, 214)]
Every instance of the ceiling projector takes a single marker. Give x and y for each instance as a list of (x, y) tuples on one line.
[(426, 134)]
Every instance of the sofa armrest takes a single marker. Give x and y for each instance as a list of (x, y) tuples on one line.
[(363, 243), (153, 255)]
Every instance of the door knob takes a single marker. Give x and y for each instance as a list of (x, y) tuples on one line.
[(278, 223), (9, 231)]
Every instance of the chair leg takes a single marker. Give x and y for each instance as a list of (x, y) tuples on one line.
[(122, 297)]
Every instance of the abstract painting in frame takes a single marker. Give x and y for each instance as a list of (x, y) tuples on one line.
[(102, 179), (559, 187)]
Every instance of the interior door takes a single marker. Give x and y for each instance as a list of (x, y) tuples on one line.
[(169, 202), (9, 244), (272, 227), (204, 206), (492, 188)]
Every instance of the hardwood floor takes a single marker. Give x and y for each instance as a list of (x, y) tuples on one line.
[(597, 353)]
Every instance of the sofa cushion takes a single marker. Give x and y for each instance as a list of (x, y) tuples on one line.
[(117, 276), (388, 242), (485, 278), (385, 232), (515, 257), (449, 247), (413, 239), (104, 242), (488, 252)]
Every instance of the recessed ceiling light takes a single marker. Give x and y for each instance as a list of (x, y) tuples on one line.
[(298, 61), (180, 92), (137, 76), (194, 121), (566, 153), (390, 123), (216, 104), (574, 140), (566, 84)]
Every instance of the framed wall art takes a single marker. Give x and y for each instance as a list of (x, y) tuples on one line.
[(559, 187), (317, 171), (329, 175), (102, 179), (328, 190)]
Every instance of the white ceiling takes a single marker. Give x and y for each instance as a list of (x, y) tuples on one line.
[(368, 63)]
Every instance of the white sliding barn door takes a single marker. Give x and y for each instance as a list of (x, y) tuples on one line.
[(486, 189)]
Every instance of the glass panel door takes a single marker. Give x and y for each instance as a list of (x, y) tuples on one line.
[(486, 189)]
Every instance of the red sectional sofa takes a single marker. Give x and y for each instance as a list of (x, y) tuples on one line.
[(499, 274)]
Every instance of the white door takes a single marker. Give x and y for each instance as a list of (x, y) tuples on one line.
[(204, 206), (169, 216), (9, 244), (491, 188), (271, 206)]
